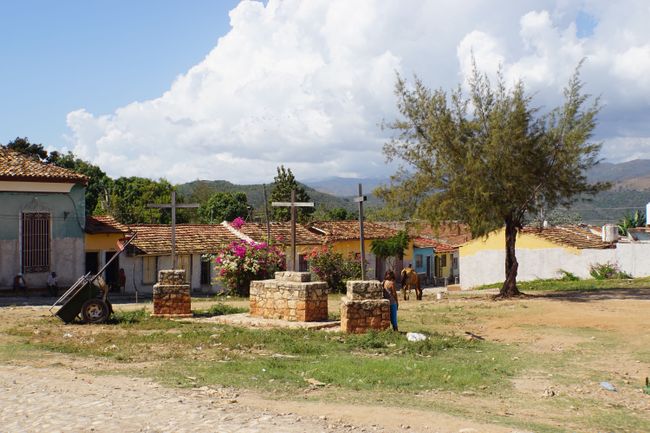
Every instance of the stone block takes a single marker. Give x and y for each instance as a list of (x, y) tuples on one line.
[(298, 277), (360, 290)]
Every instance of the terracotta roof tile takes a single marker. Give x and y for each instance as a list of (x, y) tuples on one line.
[(101, 224), (19, 167), (439, 247), (281, 233), (570, 235), (190, 238), (449, 232), (349, 230)]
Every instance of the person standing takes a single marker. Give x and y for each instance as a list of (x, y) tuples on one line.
[(52, 285), (391, 294)]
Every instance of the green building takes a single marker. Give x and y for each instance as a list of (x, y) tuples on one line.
[(42, 217)]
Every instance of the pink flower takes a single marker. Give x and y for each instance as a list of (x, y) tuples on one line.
[(238, 222)]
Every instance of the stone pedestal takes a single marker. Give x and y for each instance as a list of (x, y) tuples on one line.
[(171, 295), (363, 308), (290, 296)]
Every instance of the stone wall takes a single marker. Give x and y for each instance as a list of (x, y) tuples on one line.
[(171, 296), (290, 296), (363, 308)]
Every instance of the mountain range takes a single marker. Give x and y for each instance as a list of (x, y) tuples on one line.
[(630, 191)]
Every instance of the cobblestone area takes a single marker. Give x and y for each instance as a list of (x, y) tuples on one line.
[(60, 400)]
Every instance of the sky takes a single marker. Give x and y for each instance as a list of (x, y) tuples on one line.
[(206, 89)]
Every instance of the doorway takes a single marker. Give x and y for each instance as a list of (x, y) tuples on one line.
[(92, 263), (111, 273)]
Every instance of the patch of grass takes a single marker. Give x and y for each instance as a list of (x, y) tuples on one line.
[(219, 310), (576, 285), (129, 317)]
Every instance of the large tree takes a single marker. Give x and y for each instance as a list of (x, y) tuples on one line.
[(487, 157), (24, 146), (224, 206), (98, 182), (129, 197), (283, 184)]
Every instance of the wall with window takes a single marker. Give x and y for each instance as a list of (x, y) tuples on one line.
[(42, 232), (142, 272)]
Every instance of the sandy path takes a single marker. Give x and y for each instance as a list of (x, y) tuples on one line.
[(62, 400)]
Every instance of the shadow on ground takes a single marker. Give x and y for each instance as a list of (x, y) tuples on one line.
[(597, 295)]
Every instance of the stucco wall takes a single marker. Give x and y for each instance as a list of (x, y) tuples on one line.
[(133, 270), (67, 219), (488, 266)]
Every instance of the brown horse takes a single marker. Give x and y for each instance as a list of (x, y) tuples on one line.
[(410, 280)]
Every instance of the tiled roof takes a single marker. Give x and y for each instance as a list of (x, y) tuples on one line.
[(349, 230), (18, 167), (281, 233), (449, 232), (570, 235), (439, 247), (190, 238), (104, 224)]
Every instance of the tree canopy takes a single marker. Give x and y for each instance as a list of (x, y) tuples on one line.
[(487, 157), (224, 206), (283, 183)]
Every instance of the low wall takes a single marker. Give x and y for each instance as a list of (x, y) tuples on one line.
[(363, 308), (290, 296), (171, 296)]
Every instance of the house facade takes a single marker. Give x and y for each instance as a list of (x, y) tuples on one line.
[(543, 253), (101, 242), (150, 252), (42, 218), (343, 237)]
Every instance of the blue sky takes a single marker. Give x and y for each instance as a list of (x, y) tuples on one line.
[(230, 90), (59, 56)]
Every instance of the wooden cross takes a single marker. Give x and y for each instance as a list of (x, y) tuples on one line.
[(293, 205), (173, 206), (360, 199)]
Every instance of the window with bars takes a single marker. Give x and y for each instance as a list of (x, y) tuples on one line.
[(36, 241)]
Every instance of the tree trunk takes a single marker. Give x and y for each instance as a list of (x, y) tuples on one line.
[(509, 288)]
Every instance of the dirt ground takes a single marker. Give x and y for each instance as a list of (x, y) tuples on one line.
[(59, 392)]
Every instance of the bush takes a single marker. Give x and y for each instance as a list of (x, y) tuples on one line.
[(568, 276), (242, 262), (607, 271), (333, 268)]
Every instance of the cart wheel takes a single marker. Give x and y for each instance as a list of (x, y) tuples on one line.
[(94, 311)]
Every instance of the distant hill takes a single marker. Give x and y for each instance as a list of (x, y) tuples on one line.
[(202, 189), (630, 190), (346, 187)]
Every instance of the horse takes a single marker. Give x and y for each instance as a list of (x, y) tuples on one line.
[(410, 280)]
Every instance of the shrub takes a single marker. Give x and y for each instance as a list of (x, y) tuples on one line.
[(568, 276), (333, 268), (242, 262), (607, 271)]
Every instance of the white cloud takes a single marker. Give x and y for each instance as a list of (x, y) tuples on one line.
[(306, 84)]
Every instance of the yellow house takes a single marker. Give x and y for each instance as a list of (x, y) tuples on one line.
[(101, 236), (343, 237), (541, 252)]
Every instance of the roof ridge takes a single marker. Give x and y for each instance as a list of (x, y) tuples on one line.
[(237, 233)]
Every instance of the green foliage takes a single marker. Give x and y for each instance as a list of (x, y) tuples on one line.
[(219, 309), (129, 196), (98, 182), (568, 276), (224, 206), (283, 184), (129, 317), (24, 146), (492, 164), (333, 268), (334, 214), (391, 247), (631, 221), (607, 271)]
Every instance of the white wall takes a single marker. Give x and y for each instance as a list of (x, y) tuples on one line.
[(488, 267), (133, 270)]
